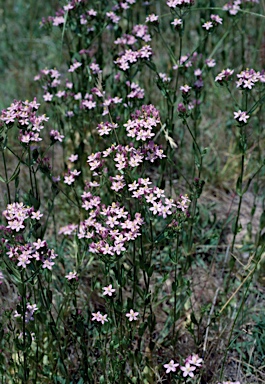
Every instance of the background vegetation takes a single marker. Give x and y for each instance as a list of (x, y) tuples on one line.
[(187, 283)]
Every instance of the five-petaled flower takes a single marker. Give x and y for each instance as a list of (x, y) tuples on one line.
[(71, 275), (171, 366), (188, 370), (108, 290), (132, 315)]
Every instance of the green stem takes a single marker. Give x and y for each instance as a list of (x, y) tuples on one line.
[(6, 176)]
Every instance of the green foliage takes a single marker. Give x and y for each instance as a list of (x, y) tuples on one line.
[(117, 254)]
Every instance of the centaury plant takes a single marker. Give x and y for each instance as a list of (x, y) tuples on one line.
[(113, 267)]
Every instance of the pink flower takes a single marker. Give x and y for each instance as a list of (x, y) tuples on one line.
[(74, 66), (151, 18), (48, 264), (47, 96), (216, 19), (183, 204), (71, 275), (188, 370), (210, 62), (195, 360), (36, 215), (58, 20), (69, 179), (108, 290), (55, 135), (177, 23), (40, 244), (208, 25), (171, 366), (73, 158), (132, 315), (241, 116), (185, 88)]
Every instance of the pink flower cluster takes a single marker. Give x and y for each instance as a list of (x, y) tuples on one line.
[(72, 6), (224, 76), (141, 31), (126, 39), (241, 116), (187, 61), (37, 251), (130, 57), (88, 16), (143, 121), (104, 128), (153, 196), (109, 228), (110, 102), (99, 317), (56, 136), (69, 178), (51, 80), (248, 78), (179, 3), (152, 19), (140, 127), (188, 369), (16, 215), (232, 7), (74, 66), (24, 115), (124, 156), (215, 20), (164, 77), (30, 310), (136, 91), (132, 316)]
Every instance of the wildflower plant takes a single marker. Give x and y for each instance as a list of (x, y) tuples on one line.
[(102, 221)]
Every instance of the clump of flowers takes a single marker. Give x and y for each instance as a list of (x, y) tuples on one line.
[(248, 78), (179, 3), (191, 364), (224, 76), (241, 116), (17, 214), (130, 57), (24, 115), (24, 253), (215, 20), (99, 317), (30, 310)]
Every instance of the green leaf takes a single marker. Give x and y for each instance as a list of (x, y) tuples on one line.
[(142, 329), (193, 319), (239, 186), (262, 221), (15, 174)]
